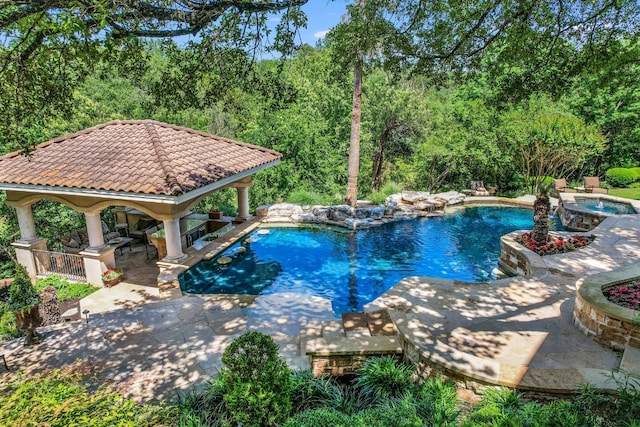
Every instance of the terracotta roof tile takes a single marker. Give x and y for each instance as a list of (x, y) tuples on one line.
[(141, 156)]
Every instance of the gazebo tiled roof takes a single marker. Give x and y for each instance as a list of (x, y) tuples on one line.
[(135, 156)]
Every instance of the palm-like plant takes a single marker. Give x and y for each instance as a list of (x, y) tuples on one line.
[(541, 211)]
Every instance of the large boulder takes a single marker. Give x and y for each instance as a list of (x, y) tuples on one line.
[(415, 196), (341, 212)]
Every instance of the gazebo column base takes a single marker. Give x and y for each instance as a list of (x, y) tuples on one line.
[(24, 255), (96, 261)]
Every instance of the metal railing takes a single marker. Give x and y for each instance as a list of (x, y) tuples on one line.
[(70, 266)]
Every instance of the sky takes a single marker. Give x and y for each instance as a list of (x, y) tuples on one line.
[(322, 15)]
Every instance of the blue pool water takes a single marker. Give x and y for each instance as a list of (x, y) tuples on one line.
[(354, 268), (606, 206)]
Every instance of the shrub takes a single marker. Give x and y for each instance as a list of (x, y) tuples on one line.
[(392, 413), (320, 417), (384, 377), (304, 197), (310, 392), (205, 407), (65, 289), (436, 403), (8, 327), (256, 380), (22, 294), (62, 398), (621, 177)]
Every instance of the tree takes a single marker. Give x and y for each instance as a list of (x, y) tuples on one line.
[(363, 35), (50, 46), (546, 140)]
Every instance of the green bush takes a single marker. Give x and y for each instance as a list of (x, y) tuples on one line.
[(392, 413), (65, 290), (204, 407), (437, 403), (384, 377), (22, 294), (304, 197), (61, 399), (256, 380), (621, 177), (8, 327), (310, 392), (320, 417)]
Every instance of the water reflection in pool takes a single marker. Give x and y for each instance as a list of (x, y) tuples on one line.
[(353, 268)]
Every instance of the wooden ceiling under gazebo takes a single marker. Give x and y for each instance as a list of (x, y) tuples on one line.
[(157, 168)]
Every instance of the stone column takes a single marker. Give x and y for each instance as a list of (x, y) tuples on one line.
[(173, 241), (25, 221), (94, 230), (243, 203)]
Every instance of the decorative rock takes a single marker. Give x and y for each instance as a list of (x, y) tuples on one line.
[(409, 204), (306, 217), (341, 212), (415, 196), (49, 308)]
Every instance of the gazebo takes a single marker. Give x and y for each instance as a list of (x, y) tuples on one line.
[(157, 168)]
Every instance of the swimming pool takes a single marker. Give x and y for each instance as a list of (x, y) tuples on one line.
[(353, 268)]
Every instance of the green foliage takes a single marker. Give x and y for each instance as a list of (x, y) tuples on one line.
[(622, 177), (310, 198), (8, 327), (256, 380), (205, 407), (627, 193), (320, 417), (22, 294), (65, 290), (62, 398), (544, 139), (436, 402), (384, 377)]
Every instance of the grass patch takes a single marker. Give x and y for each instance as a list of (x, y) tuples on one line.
[(627, 193), (66, 290)]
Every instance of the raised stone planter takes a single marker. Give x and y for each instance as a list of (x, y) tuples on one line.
[(607, 323), (516, 260)]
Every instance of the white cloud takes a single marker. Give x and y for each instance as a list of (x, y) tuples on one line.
[(320, 34)]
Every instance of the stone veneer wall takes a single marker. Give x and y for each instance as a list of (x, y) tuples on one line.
[(575, 218), (516, 260), (605, 322)]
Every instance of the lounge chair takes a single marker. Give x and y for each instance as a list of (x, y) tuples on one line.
[(477, 189), (592, 185), (560, 186)]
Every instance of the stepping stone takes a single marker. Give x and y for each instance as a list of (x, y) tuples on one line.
[(332, 329), (355, 325), (380, 323), (631, 360)]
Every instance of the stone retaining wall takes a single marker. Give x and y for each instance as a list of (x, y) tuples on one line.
[(605, 322), (516, 260)]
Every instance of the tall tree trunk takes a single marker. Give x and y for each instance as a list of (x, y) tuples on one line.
[(354, 143), (541, 210)]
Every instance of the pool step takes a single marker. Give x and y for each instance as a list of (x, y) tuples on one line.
[(340, 347)]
